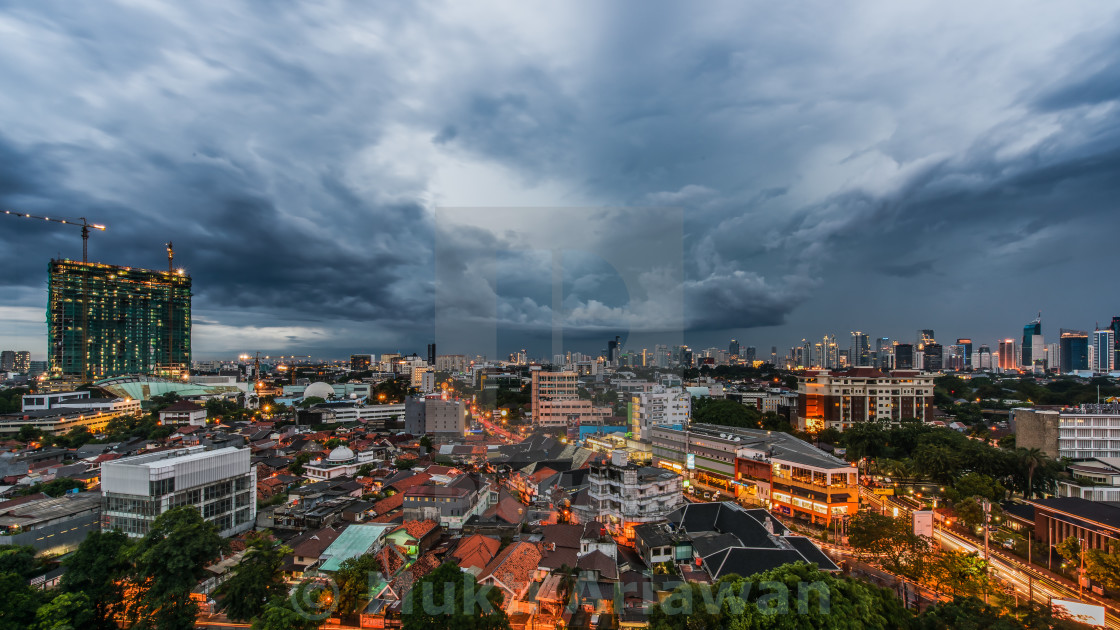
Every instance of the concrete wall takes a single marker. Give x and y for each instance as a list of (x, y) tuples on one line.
[(1036, 429)]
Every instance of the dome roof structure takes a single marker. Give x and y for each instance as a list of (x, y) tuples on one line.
[(340, 454), (320, 389)]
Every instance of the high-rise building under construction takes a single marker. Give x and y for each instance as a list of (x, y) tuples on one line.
[(105, 320)]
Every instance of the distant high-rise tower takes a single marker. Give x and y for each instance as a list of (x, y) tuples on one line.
[(1073, 351), (1033, 346), (1103, 343), (1115, 327), (751, 352), (932, 357), (1008, 357), (904, 356), (966, 346), (733, 348), (774, 355), (883, 354), (128, 320), (983, 359), (860, 353), (432, 353), (612, 350)]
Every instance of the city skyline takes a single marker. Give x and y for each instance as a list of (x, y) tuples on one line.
[(835, 172)]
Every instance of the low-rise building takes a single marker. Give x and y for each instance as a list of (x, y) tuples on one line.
[(220, 483), (771, 468), (183, 412), (1096, 480), (831, 399), (658, 406), (52, 526), (341, 462), (623, 495), (436, 416), (451, 505), (1084, 432)]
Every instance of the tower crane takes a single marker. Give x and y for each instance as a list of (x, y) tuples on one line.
[(79, 222), (86, 227)]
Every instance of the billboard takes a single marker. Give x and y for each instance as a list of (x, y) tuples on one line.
[(923, 523), (1090, 614), (690, 461)]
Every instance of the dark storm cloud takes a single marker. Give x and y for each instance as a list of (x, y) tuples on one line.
[(826, 160)]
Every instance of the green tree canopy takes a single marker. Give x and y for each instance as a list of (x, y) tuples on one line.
[(168, 562), (449, 598), (725, 412), (791, 596), (256, 580), (96, 570)]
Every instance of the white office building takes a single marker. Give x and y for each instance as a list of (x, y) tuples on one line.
[(220, 483), (659, 406)]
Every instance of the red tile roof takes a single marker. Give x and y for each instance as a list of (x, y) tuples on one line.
[(403, 582), (384, 506), (419, 529), (513, 568), (183, 405), (541, 475), (313, 544), (476, 551), (404, 484)]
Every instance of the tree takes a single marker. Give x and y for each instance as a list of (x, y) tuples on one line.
[(97, 569), (78, 437), (280, 615), (1031, 459), (1104, 566), (65, 612), (810, 597), (969, 613), (725, 412), (971, 512), (939, 463), (298, 462), (19, 560), (169, 562), (426, 442), (892, 540), (353, 581), (976, 485), (959, 573), (19, 602), (1070, 549), (28, 433), (450, 598), (256, 579)]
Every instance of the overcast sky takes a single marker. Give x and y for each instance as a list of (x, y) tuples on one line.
[(767, 172)]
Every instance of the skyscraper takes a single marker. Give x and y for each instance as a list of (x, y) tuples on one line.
[(432, 353), (1033, 346), (904, 356), (774, 355), (982, 360), (105, 320), (1103, 355), (966, 345), (1008, 357), (612, 350), (860, 353), (751, 352), (883, 355), (1073, 351), (1115, 327), (932, 357), (733, 348)]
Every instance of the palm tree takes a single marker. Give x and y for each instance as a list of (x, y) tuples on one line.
[(567, 582), (1031, 459)]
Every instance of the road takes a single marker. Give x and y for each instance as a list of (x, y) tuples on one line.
[(1027, 582)]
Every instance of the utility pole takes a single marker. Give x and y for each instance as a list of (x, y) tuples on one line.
[(987, 505), (1081, 571)]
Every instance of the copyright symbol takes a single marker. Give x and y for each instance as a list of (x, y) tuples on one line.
[(315, 598)]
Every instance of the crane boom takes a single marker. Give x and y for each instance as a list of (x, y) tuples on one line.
[(79, 222)]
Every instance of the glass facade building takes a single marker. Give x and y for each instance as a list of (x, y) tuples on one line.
[(1073, 351), (105, 320)]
